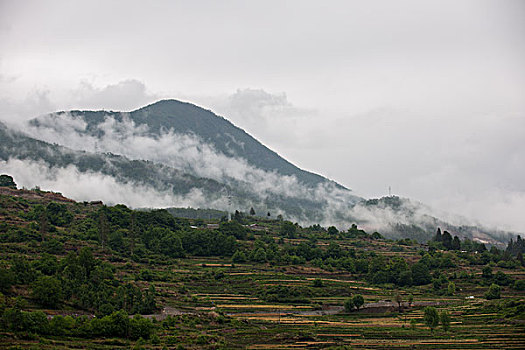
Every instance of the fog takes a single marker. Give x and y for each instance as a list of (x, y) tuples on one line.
[(185, 152), (91, 186)]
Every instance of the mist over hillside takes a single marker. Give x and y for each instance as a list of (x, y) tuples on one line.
[(175, 154)]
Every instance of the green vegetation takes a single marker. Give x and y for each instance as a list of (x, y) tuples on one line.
[(431, 317), (85, 275), (7, 181)]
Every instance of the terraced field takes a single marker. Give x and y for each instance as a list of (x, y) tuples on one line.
[(218, 302)]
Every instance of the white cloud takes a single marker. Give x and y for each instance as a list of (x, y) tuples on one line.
[(125, 95), (30, 103), (90, 186), (182, 151)]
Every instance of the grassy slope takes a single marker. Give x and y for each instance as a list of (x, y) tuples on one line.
[(217, 304)]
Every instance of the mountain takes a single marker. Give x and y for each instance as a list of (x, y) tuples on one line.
[(16, 145), (175, 154), (165, 185), (186, 118)]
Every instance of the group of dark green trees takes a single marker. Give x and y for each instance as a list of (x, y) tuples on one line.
[(116, 324), (79, 279)]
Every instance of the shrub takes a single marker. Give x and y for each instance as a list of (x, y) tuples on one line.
[(519, 285), (494, 292), (431, 317), (318, 283), (444, 317), (349, 304), (47, 291), (358, 301)]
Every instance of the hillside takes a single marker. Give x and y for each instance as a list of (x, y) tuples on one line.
[(71, 274)]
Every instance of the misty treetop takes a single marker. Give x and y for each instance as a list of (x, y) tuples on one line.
[(7, 181)]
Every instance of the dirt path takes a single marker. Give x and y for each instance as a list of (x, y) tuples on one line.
[(167, 311), (379, 307)]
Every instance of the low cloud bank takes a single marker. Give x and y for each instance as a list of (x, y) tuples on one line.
[(88, 186), (185, 152)]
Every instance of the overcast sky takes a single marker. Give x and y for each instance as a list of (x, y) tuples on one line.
[(425, 96)]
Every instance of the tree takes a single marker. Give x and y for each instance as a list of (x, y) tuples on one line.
[(148, 303), (376, 235), (332, 231), (239, 257), (349, 304), (259, 255), (410, 300), (233, 228), (431, 317), (456, 243), (451, 288), (6, 280), (238, 216), (494, 292), (318, 283), (399, 300), (420, 274), (486, 272), (47, 291), (405, 278), (447, 240), (7, 181), (518, 285), (519, 257), (288, 229), (358, 301), (438, 237), (444, 317), (86, 261)]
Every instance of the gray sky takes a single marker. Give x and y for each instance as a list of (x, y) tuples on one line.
[(425, 96)]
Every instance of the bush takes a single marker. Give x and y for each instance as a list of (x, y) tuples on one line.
[(288, 229), (47, 291), (494, 292), (444, 317), (420, 274), (318, 283), (358, 301), (239, 257), (7, 181), (431, 317), (519, 285), (6, 280), (349, 304), (140, 327)]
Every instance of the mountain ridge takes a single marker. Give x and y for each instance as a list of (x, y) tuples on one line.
[(184, 117)]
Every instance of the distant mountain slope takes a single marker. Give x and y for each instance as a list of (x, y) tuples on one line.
[(185, 118), (172, 186), (16, 145), (403, 218)]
